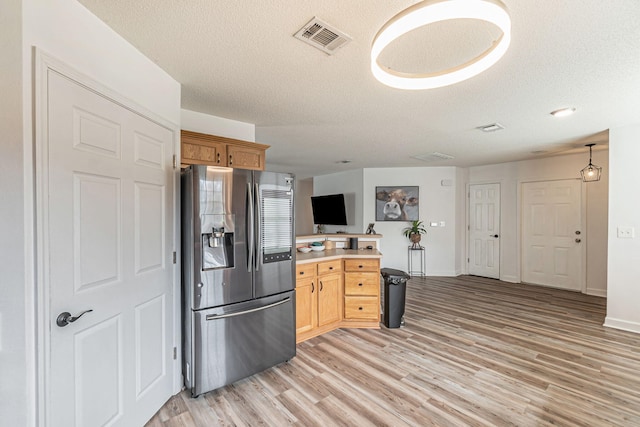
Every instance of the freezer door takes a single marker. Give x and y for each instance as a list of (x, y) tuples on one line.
[(275, 249), (234, 342)]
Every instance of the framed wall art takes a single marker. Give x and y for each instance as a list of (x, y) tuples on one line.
[(397, 203)]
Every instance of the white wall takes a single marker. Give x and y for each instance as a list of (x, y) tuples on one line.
[(511, 175), (623, 302), (303, 213), (348, 183), (14, 377), (68, 32), (437, 203), (212, 125)]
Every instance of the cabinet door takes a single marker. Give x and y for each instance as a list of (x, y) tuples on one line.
[(329, 299), (245, 157), (202, 153), (306, 303)]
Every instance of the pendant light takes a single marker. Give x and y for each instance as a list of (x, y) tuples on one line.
[(591, 172)]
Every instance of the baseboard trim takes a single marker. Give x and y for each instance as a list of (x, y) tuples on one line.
[(624, 325), (597, 292), (510, 279)]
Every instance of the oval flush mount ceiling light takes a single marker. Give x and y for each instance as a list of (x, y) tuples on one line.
[(429, 12)]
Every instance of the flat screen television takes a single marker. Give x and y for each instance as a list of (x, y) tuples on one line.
[(329, 210)]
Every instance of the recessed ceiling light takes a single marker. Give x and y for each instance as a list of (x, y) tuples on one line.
[(563, 112), (491, 128), (343, 161)]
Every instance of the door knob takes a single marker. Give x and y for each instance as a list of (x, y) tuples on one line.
[(65, 318), (494, 235), (578, 240)]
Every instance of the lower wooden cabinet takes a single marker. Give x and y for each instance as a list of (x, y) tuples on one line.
[(337, 293), (306, 305), (362, 290), (318, 298)]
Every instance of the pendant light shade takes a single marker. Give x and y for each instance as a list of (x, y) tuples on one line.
[(591, 172)]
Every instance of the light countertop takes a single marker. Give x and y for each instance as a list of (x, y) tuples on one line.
[(321, 237), (331, 254)]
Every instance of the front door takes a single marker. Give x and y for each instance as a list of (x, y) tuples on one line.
[(552, 233), (484, 230), (108, 234)]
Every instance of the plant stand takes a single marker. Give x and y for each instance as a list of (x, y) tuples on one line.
[(422, 258)]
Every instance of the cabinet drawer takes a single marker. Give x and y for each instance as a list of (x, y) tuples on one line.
[(361, 265), (329, 267), (365, 308), (361, 284), (305, 270)]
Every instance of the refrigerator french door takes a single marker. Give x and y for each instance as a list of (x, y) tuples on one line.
[(238, 274)]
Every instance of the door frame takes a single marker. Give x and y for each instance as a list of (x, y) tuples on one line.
[(39, 167), (583, 219), (467, 230)]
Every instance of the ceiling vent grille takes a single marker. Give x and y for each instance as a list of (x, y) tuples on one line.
[(323, 36), (491, 128), (432, 157)]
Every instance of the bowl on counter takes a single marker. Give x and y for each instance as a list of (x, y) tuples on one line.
[(317, 248), (304, 249)]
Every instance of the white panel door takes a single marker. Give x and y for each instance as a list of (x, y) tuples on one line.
[(109, 237), (484, 230), (552, 233)]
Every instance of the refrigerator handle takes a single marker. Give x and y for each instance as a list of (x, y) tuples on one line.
[(249, 228), (258, 227), (240, 313)]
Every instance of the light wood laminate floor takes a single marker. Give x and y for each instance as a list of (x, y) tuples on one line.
[(474, 351)]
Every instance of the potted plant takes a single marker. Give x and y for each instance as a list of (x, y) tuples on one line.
[(414, 233)]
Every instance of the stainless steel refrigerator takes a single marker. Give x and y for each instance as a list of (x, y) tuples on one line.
[(238, 300)]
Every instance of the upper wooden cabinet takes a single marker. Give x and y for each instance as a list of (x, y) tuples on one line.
[(202, 149)]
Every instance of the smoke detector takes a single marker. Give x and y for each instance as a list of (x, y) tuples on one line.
[(432, 157), (322, 36)]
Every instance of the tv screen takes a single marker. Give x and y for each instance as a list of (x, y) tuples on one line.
[(329, 210)]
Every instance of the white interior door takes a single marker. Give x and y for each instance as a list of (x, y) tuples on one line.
[(109, 247), (552, 233), (484, 230)]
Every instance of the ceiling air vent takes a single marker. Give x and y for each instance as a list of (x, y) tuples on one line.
[(432, 157), (491, 128), (323, 36)]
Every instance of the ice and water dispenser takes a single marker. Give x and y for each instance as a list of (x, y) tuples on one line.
[(217, 241)]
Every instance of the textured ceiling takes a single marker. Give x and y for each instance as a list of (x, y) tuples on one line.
[(239, 60)]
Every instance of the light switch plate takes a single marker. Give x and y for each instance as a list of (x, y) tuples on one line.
[(434, 224), (626, 232)]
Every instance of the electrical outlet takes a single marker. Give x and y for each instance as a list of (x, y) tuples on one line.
[(434, 224), (626, 233)]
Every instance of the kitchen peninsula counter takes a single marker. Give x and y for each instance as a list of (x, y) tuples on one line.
[(332, 254), (337, 288)]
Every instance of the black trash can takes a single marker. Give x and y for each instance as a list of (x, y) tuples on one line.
[(395, 290)]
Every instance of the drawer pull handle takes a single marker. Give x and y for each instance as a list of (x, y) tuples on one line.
[(321, 286), (359, 284), (330, 268), (313, 288), (302, 273), (359, 308), (218, 157), (359, 266)]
